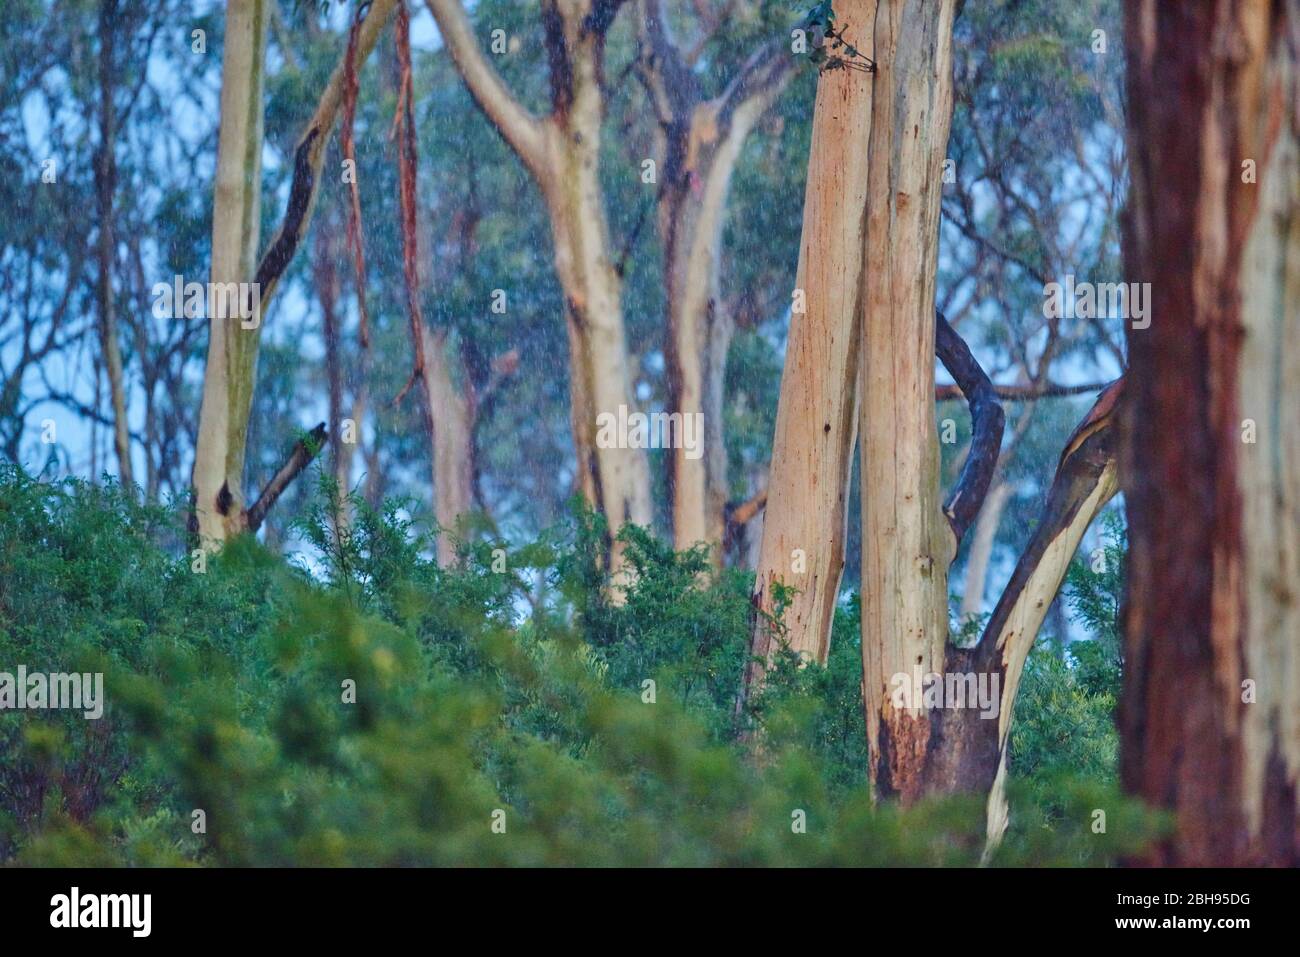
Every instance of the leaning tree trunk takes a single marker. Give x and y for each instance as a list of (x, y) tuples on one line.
[(1209, 724), (1087, 477), (805, 523)]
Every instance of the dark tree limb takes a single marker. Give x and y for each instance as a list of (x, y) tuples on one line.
[(739, 514), (987, 421), (304, 451), (309, 155)]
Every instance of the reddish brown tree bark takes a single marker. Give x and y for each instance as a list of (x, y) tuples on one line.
[(1210, 716)]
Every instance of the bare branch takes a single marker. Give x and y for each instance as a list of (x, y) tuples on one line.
[(672, 86), (757, 84), (987, 422), (745, 512), (520, 128), (304, 450), (309, 156)]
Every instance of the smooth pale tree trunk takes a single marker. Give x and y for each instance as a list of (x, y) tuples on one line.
[(981, 549), (907, 546), (451, 425), (699, 335), (562, 153), (805, 523), (106, 248), (874, 181), (698, 145), (231, 371), (1209, 717), (236, 203), (616, 481)]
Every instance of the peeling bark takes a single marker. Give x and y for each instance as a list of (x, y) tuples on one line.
[(450, 404), (907, 545), (1214, 571), (231, 371), (805, 522)]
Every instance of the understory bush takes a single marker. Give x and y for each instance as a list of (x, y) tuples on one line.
[(359, 705)]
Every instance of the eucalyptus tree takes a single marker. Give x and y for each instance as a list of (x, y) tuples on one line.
[(1209, 724), (861, 364), (220, 509)]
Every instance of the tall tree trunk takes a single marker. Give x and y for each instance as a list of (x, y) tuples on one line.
[(327, 290), (562, 153), (451, 428), (1209, 724), (805, 523), (449, 405), (232, 350), (699, 144), (616, 481), (872, 214), (981, 549), (231, 370), (105, 184), (906, 544), (699, 331)]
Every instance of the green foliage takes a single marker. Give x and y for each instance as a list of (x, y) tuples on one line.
[(1064, 726), (228, 692)]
